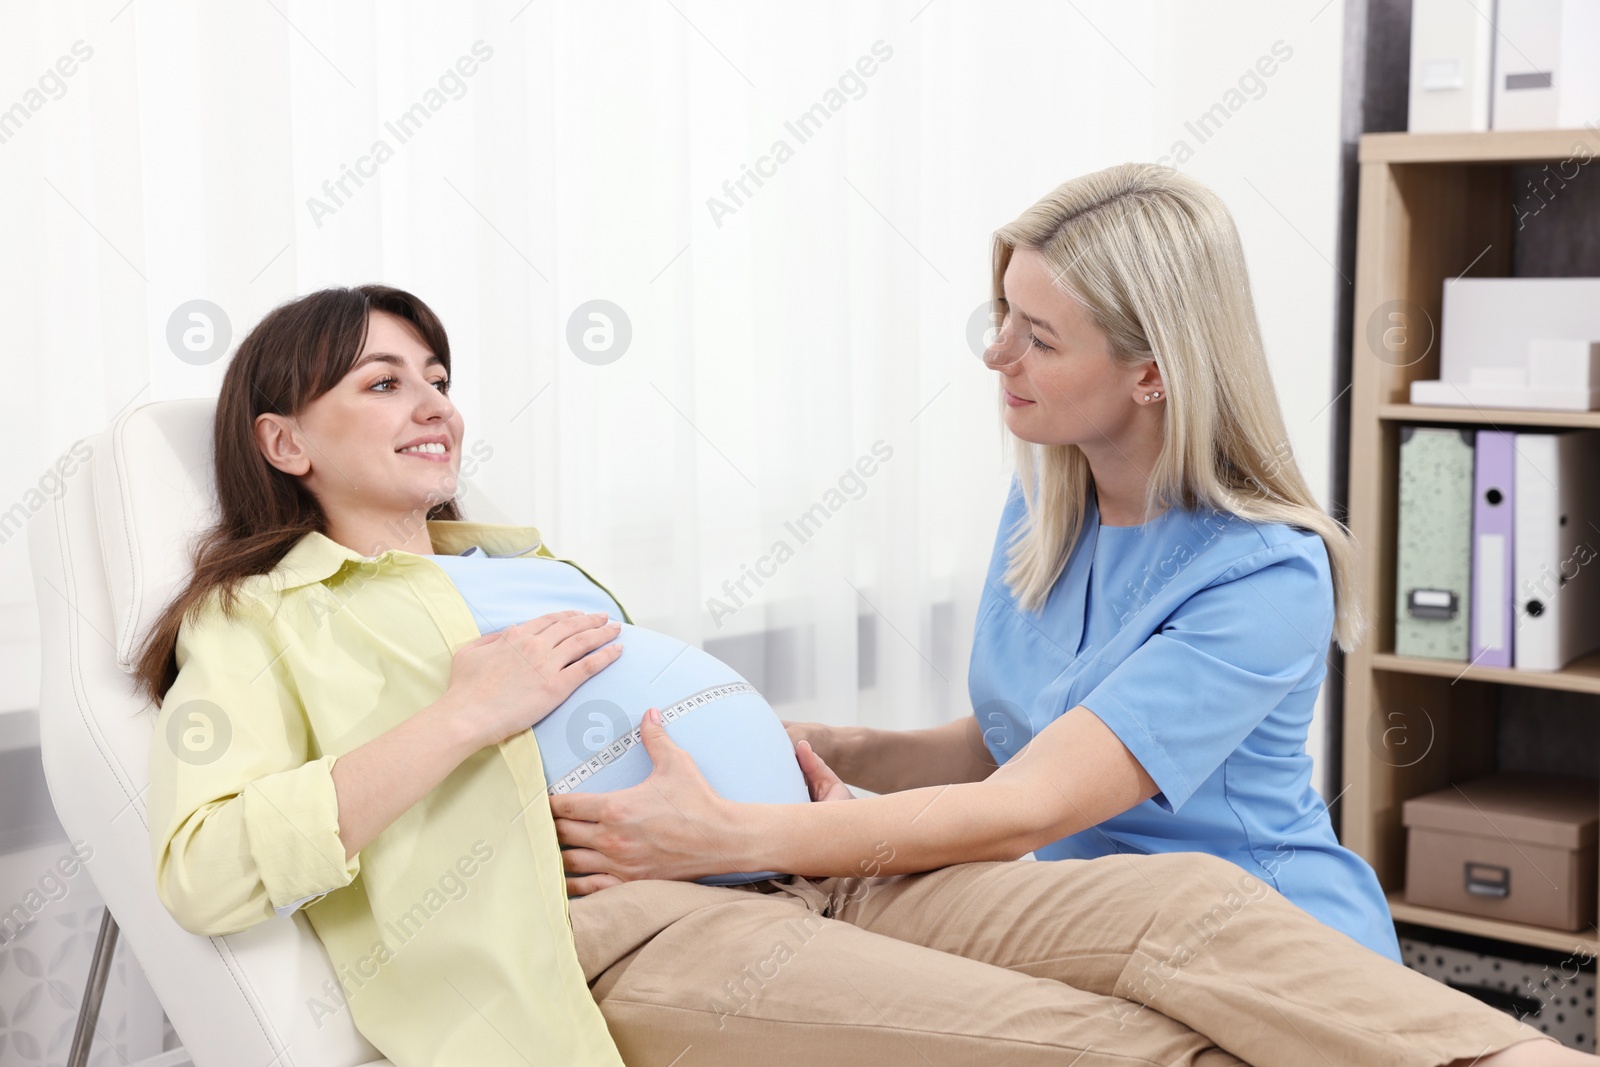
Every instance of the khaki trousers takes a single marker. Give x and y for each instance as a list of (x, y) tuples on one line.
[(1124, 960)]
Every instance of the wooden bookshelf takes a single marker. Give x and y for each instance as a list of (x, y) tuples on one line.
[(1580, 676), (1518, 933), (1431, 207), (1492, 418), (1497, 146)]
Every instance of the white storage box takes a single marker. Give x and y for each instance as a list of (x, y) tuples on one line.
[(1518, 343)]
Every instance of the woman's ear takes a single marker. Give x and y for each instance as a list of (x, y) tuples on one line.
[(280, 443), (1150, 388)]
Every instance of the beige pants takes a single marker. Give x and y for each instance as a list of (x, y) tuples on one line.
[(1125, 960)]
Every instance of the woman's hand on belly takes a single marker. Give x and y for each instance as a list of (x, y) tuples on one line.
[(509, 680), (672, 825)]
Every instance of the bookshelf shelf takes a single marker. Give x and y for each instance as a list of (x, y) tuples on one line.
[(1431, 207), (1580, 676), (1519, 933), (1490, 417), (1496, 146)]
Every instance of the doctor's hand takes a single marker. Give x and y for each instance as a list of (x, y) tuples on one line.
[(668, 826), (820, 779), (819, 735)]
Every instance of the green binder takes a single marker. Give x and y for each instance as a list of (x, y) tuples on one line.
[(1433, 561)]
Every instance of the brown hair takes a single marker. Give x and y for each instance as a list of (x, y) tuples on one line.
[(298, 352)]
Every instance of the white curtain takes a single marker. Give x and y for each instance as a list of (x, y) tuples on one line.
[(786, 209)]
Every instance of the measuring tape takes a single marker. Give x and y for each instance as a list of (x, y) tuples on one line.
[(618, 748)]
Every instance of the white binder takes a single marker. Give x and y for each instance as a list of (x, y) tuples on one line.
[(1451, 66), (1557, 548), (1545, 73)]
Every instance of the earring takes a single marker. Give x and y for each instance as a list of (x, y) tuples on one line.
[(1153, 396)]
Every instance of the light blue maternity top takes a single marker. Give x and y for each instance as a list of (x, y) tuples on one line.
[(1200, 640), (590, 743)]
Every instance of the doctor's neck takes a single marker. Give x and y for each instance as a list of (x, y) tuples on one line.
[(1121, 472)]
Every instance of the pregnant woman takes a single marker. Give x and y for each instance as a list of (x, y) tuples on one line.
[(347, 686), (1158, 606)]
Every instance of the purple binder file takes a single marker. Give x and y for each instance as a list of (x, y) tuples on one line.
[(1493, 512)]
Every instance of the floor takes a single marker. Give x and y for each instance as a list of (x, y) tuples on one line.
[(48, 925)]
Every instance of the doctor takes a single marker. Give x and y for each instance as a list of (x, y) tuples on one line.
[(1154, 624)]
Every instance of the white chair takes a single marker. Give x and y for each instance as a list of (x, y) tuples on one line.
[(108, 553)]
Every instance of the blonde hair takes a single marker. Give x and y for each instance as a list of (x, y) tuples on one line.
[(1154, 257)]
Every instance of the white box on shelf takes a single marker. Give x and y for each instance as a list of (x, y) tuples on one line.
[(1517, 342), (1561, 375), (1451, 67), (1545, 73), (1560, 363)]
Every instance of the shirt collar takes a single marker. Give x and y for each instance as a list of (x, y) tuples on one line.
[(317, 557)]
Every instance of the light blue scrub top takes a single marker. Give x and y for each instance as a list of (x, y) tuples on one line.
[(589, 744), (1200, 640)]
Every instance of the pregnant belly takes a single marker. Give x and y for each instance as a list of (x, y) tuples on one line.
[(590, 743)]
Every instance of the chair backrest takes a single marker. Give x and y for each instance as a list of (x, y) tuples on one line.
[(108, 552)]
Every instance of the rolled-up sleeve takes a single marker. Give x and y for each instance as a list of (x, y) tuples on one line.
[(244, 819), (1219, 665)]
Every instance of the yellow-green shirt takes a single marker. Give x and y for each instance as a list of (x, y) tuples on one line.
[(448, 932)]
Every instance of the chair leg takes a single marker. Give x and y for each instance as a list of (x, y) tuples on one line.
[(105, 947)]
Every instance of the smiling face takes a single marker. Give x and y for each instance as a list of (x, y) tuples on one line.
[(355, 446), (1061, 384)]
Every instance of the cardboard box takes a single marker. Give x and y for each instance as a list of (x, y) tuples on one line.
[(1511, 846)]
